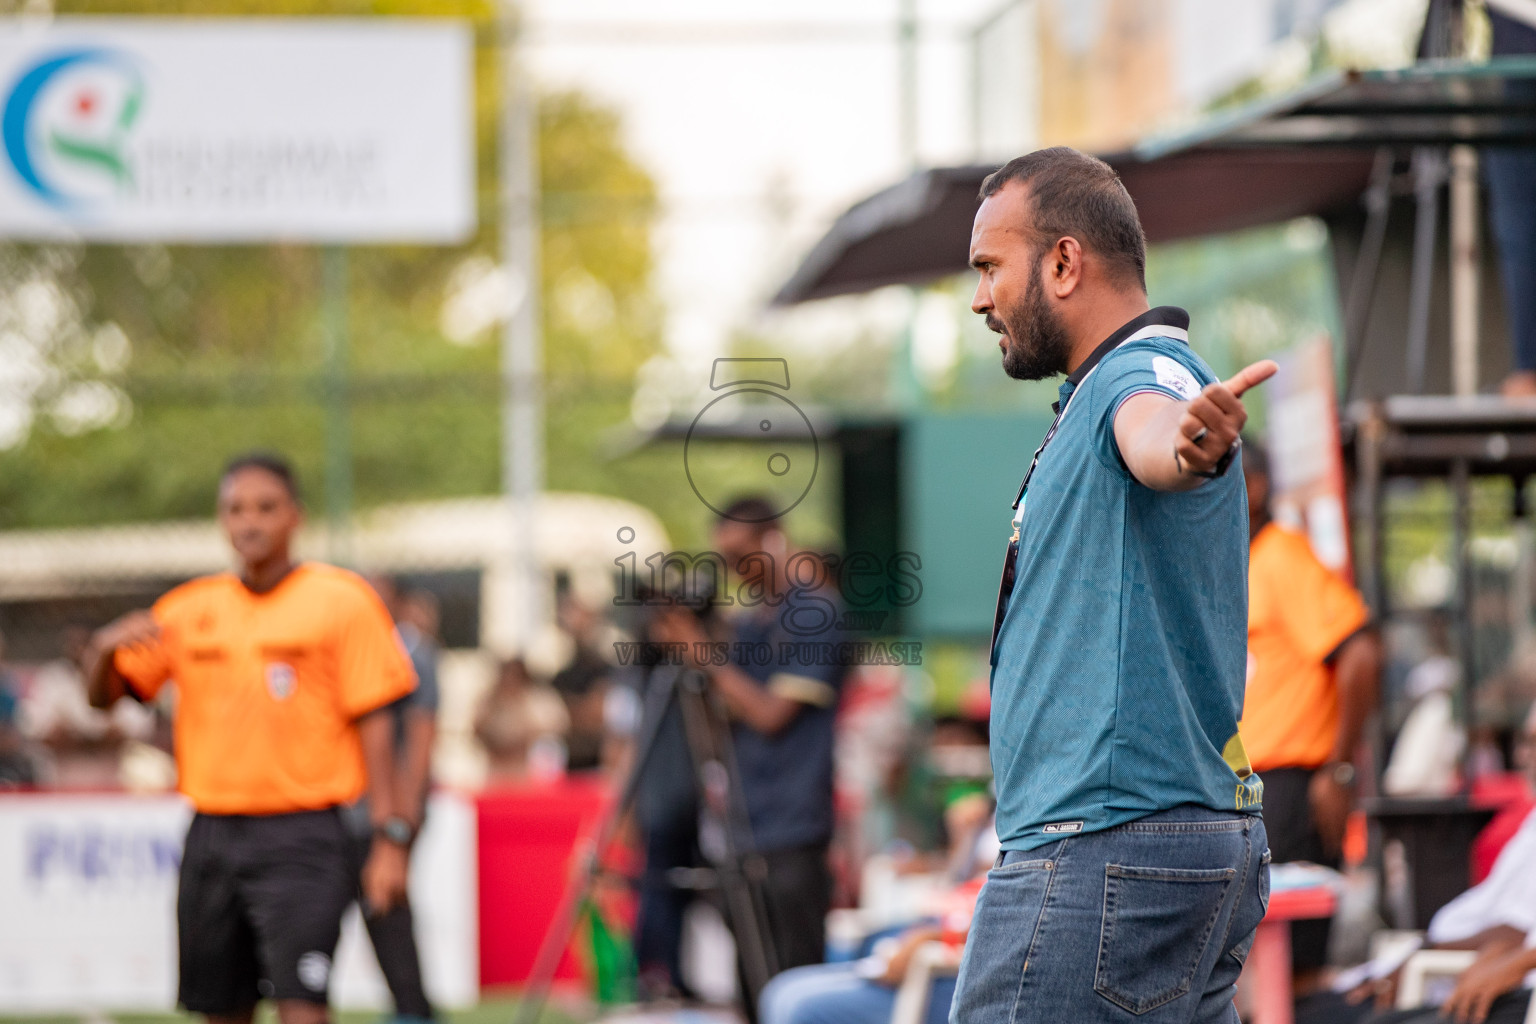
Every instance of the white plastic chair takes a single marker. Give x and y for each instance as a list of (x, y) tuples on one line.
[(1428, 965), (930, 961)]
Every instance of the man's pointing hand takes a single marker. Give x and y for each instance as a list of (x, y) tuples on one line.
[(1214, 419), (1170, 445)]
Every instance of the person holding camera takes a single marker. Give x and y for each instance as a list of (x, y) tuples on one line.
[(781, 687), (285, 673)]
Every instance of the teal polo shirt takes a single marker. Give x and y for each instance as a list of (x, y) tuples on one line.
[(1119, 662)]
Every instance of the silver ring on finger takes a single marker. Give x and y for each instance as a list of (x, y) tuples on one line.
[(1200, 436)]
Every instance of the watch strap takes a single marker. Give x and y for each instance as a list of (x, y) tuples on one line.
[(1220, 469), (1341, 772), (396, 830)]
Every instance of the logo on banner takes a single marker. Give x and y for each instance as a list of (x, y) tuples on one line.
[(66, 124), (282, 680)]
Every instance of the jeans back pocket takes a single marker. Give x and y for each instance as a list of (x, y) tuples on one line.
[(1156, 927)]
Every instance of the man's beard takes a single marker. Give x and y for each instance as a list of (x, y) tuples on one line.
[(1036, 344)]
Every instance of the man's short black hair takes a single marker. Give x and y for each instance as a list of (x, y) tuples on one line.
[(268, 462), (1076, 194), (753, 509)]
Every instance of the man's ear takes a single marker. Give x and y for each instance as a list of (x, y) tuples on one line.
[(1068, 269)]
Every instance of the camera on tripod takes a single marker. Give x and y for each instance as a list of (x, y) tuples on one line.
[(697, 600)]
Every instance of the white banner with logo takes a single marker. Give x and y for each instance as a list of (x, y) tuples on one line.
[(237, 130), (88, 906)]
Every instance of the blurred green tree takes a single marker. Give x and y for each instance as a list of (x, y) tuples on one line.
[(135, 371)]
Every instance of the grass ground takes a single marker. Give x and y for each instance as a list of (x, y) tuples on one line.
[(492, 1011)]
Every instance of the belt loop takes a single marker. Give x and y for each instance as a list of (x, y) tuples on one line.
[(1001, 855)]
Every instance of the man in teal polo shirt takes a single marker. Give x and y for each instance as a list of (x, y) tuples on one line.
[(1134, 865)]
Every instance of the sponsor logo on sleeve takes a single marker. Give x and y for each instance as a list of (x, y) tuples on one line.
[(1174, 377)]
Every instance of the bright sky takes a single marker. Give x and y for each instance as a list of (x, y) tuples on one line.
[(761, 120), (756, 141)]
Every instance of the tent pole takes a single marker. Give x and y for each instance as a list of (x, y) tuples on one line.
[(1366, 272), (522, 350), (1466, 270), (1461, 487), (1428, 175), (337, 398)]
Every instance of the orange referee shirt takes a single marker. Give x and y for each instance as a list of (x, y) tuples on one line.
[(1299, 612), (270, 686)]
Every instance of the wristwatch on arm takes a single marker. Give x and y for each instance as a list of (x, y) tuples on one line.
[(1222, 464), (395, 829), (1341, 772)]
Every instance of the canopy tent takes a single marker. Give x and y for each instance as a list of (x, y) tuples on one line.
[(1309, 152), (919, 230), (1368, 152)]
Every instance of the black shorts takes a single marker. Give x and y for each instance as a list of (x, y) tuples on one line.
[(259, 908), (1293, 836)]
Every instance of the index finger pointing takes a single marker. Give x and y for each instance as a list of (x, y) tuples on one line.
[(1250, 376)]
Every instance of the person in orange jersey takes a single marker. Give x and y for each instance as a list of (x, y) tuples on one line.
[(283, 671), (1314, 669)]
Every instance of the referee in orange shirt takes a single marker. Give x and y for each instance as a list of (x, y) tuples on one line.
[(283, 673)]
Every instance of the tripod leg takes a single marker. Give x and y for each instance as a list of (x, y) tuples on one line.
[(740, 875), (558, 937)]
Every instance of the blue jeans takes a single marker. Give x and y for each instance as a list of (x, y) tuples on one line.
[(834, 994), (1149, 922)]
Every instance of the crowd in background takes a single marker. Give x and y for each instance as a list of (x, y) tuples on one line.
[(914, 822), (51, 738), (533, 725)]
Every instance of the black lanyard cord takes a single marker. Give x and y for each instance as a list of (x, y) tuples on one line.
[(1035, 461)]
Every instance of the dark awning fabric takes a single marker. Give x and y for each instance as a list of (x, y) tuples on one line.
[(1309, 152), (909, 233), (1213, 191), (919, 230)]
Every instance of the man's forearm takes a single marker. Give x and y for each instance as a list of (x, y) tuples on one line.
[(384, 873), (1518, 958), (1149, 440), (1171, 445), (416, 764), (375, 731), (762, 710), (1490, 942), (103, 685), (1357, 674)]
